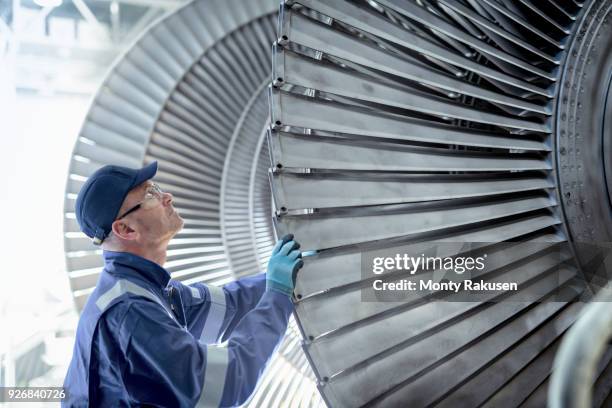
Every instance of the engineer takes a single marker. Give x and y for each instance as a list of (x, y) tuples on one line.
[(144, 339)]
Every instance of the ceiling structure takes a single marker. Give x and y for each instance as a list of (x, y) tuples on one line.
[(67, 47)]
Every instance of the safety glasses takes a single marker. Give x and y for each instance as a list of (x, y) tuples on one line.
[(153, 193)]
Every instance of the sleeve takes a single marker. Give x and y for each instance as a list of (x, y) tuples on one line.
[(212, 313), (168, 366), (251, 344), (242, 296)]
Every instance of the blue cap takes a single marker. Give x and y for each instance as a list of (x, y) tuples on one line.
[(103, 193)]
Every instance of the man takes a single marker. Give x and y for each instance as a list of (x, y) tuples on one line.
[(146, 340)]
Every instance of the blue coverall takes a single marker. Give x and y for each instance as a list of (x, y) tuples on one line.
[(144, 339)]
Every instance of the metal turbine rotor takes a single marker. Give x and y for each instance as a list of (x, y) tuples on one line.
[(411, 121)]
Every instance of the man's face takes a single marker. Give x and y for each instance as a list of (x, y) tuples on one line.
[(156, 220)]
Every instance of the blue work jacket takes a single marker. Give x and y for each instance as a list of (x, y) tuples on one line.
[(146, 340)]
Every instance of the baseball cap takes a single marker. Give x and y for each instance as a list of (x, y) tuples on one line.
[(100, 198)]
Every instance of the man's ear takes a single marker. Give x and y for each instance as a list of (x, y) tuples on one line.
[(123, 230)]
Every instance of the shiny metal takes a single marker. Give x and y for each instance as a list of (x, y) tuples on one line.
[(581, 351), (410, 122)]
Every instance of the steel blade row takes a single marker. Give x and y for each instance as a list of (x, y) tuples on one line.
[(406, 123)]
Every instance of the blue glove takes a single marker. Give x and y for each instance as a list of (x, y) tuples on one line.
[(284, 263)]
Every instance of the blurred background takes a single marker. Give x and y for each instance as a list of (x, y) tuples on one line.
[(53, 56)]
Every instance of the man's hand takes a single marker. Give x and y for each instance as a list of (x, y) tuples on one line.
[(284, 263)]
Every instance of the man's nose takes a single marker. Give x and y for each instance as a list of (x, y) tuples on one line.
[(167, 198)]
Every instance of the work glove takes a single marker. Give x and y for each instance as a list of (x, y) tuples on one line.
[(284, 263)]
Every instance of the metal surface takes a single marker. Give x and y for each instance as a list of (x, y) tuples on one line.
[(410, 121), (583, 137), (191, 93), (580, 353)]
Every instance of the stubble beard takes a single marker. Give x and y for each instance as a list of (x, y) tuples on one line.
[(179, 223)]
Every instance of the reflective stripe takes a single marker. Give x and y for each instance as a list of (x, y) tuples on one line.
[(216, 314), (195, 292), (214, 376), (125, 286)]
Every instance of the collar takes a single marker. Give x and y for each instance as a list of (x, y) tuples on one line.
[(126, 263)]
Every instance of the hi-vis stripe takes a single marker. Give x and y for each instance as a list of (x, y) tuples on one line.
[(216, 314), (214, 377), (125, 286), (216, 356)]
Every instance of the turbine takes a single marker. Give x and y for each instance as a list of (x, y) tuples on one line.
[(419, 123)]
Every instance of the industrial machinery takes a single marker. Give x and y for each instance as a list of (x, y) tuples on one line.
[(391, 123)]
